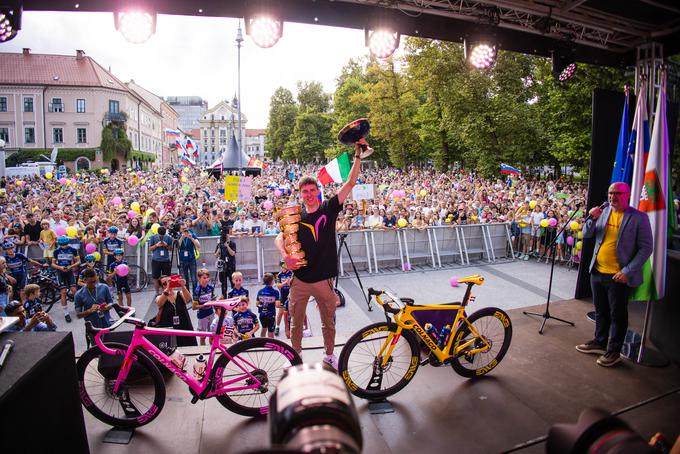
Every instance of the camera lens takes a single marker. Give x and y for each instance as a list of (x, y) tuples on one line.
[(313, 412)]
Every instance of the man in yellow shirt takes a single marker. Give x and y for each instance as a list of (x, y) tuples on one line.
[(623, 242)]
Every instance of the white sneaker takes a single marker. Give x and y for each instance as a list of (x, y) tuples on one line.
[(307, 333), (331, 360)]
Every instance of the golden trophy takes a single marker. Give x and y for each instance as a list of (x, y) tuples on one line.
[(288, 219)]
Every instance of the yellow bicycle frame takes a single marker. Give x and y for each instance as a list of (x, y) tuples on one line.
[(405, 321)]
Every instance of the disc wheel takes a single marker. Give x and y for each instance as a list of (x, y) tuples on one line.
[(258, 361), (493, 327), (138, 402), (137, 278), (361, 368)]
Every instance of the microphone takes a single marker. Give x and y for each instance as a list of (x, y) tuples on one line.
[(5, 351), (601, 207)]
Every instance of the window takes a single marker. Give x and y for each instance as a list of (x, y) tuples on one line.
[(29, 135), (4, 135), (56, 105), (58, 135), (3, 104), (28, 105), (80, 105), (114, 106), (81, 135)]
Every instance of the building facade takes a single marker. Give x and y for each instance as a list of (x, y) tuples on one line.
[(190, 110), (169, 120), (215, 125), (64, 101), (254, 141)]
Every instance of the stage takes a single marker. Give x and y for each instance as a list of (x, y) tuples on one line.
[(542, 380)]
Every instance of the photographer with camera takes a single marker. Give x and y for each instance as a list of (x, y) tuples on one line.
[(172, 308), (226, 261), (160, 246), (41, 321), (187, 248)]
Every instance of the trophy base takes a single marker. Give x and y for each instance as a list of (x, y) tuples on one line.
[(366, 153)]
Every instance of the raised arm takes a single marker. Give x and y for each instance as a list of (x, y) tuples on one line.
[(353, 173)]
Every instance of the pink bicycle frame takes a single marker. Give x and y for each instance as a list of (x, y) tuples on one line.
[(199, 387)]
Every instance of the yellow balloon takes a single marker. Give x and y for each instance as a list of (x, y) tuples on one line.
[(97, 256), (184, 179), (134, 206), (544, 223), (580, 235), (155, 227), (71, 231), (159, 190), (579, 245), (143, 181), (186, 170), (19, 182), (402, 222), (474, 218), (523, 225), (48, 175), (573, 225), (423, 193), (532, 204), (448, 220)]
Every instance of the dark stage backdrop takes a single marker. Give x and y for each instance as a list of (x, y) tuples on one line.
[(607, 110)]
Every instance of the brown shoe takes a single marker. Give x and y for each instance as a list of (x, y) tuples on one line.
[(609, 359), (592, 346)]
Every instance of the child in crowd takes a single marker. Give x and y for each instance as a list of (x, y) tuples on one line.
[(90, 262), (48, 239), (283, 283), (111, 244), (244, 320), (268, 299), (203, 293), (121, 282), (228, 334), (238, 290), (30, 295)]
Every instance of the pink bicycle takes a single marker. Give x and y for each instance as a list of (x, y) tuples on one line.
[(120, 385)]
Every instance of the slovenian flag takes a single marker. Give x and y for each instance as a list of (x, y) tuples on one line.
[(638, 148), (172, 132), (509, 170), (335, 171), (186, 160)]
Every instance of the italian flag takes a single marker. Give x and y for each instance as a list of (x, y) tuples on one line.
[(335, 171)]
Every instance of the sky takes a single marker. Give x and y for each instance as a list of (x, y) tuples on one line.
[(197, 56)]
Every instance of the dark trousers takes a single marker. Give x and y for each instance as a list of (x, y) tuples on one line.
[(188, 272), (225, 280), (611, 310)]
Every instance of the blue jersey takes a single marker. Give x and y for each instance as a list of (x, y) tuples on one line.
[(284, 278), (16, 264), (65, 255), (112, 268), (238, 292), (244, 321), (32, 307), (204, 295), (111, 244), (266, 301)]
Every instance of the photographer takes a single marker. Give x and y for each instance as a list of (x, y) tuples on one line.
[(172, 309), (188, 246), (226, 255), (160, 246), (39, 322), (201, 225)]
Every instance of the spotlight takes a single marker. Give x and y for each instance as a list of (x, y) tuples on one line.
[(480, 54), (382, 42), (563, 64), (10, 22), (265, 30), (568, 72), (135, 26)]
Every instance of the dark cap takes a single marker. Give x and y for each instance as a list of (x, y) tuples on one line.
[(12, 306)]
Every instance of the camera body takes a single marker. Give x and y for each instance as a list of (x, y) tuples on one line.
[(175, 281)]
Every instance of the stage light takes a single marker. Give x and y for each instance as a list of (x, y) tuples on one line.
[(382, 42), (480, 54), (265, 30), (563, 62), (135, 26), (568, 72), (10, 22)]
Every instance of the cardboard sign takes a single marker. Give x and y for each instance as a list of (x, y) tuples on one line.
[(238, 188), (363, 192)]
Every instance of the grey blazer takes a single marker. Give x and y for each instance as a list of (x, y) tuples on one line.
[(633, 245)]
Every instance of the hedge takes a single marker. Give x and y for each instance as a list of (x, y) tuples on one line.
[(64, 154), (142, 156)]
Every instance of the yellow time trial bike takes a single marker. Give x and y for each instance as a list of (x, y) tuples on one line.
[(380, 359)]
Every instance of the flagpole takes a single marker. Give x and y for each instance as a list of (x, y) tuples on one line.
[(239, 40)]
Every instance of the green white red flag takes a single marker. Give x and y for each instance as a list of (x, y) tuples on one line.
[(335, 171)]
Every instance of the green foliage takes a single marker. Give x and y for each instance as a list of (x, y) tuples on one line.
[(115, 140), (64, 154), (282, 113), (311, 97), (141, 156), (311, 136)]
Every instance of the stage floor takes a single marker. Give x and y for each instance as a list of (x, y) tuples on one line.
[(542, 380)]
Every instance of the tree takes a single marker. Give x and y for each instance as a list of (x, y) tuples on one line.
[(311, 97), (311, 137), (282, 113), (115, 141)]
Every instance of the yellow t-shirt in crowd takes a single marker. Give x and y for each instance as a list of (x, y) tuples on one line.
[(606, 262)]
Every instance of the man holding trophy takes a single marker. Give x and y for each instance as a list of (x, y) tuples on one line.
[(307, 245)]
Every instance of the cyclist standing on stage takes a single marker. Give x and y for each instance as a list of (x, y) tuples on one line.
[(65, 260)]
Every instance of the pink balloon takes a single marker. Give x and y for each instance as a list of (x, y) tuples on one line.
[(552, 222), (570, 240), (268, 205), (62, 180), (402, 193), (122, 270), (407, 266), (277, 193), (133, 240), (143, 188), (90, 248), (116, 200), (60, 231), (453, 281), (132, 214)]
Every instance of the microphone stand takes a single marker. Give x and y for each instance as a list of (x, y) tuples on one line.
[(551, 247)]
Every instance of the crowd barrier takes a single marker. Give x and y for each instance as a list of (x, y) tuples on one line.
[(371, 250)]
